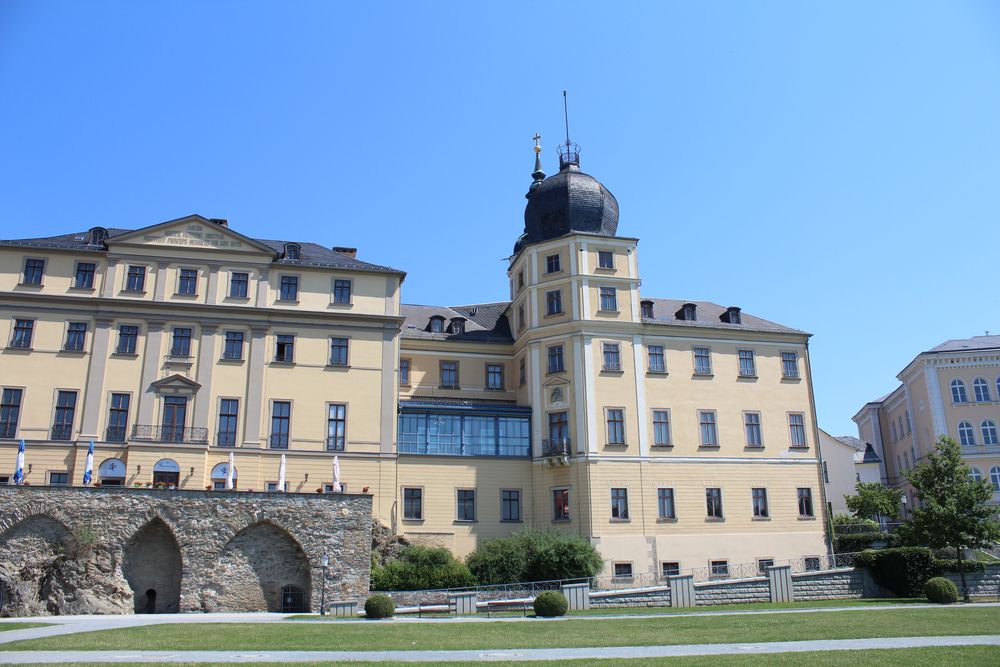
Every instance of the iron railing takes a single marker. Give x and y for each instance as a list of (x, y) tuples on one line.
[(556, 447), (278, 441), (62, 432), (115, 434), (173, 434), (225, 439)]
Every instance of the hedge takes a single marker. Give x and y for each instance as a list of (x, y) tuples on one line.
[(421, 568), (861, 541), (906, 570), (532, 555)]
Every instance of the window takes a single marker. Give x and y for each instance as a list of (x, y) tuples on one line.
[(623, 570), (670, 569), (826, 474), (707, 425), (449, 374), (797, 429), (995, 478), (135, 279), (284, 348), (118, 418), (759, 500), (619, 504), (989, 432), (646, 309), (520, 280), (789, 365), (342, 291), (437, 324), (751, 426), (128, 334), (552, 264), (713, 503), (522, 372), (187, 283), (605, 259), (173, 419), (466, 505), (289, 288), (553, 302), (338, 351), (234, 345), (229, 409), (975, 475), (404, 372), (494, 377), (657, 362), (966, 435), (609, 299), (558, 429), (33, 271), (812, 563), (292, 250), (239, 284), (748, 368), (560, 504), (616, 426), (281, 412), (413, 504), (556, 359), (336, 426), (981, 389), (22, 334), (719, 568), (805, 502), (702, 361), (510, 503), (764, 564), (661, 428), (62, 424), (521, 323), (893, 437), (10, 411), (908, 427), (58, 479), (85, 275), (665, 508), (272, 487), (958, 394), (76, 332), (182, 342), (612, 357)]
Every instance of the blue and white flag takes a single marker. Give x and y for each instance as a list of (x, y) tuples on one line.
[(19, 465), (88, 467)]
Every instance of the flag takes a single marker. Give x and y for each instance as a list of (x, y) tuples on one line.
[(336, 475), (19, 465), (281, 474), (88, 467), (230, 472)]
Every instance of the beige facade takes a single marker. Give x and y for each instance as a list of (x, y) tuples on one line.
[(672, 434), (952, 389), (846, 462)]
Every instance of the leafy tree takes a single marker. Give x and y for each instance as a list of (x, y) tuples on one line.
[(420, 568), (533, 555), (873, 500), (954, 510)]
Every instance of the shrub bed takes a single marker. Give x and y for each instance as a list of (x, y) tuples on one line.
[(420, 568), (906, 570), (533, 555), (549, 604)]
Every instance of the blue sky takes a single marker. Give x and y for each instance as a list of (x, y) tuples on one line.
[(831, 166)]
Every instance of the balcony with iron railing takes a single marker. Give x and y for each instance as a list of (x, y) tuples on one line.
[(556, 447), (171, 434)]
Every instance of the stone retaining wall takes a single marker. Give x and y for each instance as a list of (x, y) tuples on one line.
[(659, 597), (732, 592), (981, 584), (833, 585)]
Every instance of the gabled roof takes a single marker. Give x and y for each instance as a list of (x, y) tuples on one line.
[(967, 344), (708, 315), (483, 322)]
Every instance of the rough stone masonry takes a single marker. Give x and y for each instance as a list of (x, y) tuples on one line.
[(121, 550)]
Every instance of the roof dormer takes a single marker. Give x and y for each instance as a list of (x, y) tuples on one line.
[(436, 324), (98, 235), (646, 308), (456, 325), (732, 315), (293, 251), (687, 312)]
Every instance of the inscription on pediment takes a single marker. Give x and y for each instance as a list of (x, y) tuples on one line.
[(194, 235)]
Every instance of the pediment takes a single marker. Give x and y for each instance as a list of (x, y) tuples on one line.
[(555, 381), (175, 384), (192, 231)]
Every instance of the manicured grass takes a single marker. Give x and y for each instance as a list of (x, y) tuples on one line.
[(20, 626), (966, 656), (532, 633)]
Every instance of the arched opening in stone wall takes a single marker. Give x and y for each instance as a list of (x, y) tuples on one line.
[(29, 552), (260, 567), (152, 567)]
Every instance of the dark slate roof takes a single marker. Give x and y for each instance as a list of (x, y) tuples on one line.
[(869, 456), (484, 322), (708, 315), (569, 201), (851, 441), (312, 254), (968, 344)]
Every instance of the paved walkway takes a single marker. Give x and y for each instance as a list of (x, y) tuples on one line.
[(519, 655)]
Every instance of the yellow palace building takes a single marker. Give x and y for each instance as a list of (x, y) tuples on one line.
[(673, 434)]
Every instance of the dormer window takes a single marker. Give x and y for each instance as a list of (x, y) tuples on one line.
[(293, 251), (646, 308), (437, 324), (457, 325), (732, 315), (688, 312), (98, 235)]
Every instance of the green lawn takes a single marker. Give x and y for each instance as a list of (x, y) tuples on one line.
[(20, 626), (967, 656), (532, 633)]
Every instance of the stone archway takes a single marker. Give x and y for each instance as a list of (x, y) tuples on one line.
[(258, 565), (30, 552), (152, 566)]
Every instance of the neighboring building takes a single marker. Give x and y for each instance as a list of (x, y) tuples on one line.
[(674, 434), (846, 461), (952, 389)]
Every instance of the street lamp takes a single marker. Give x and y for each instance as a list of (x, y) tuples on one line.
[(324, 563)]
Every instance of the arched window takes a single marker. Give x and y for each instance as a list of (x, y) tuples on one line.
[(292, 250), (892, 426), (166, 471), (219, 473), (111, 472), (975, 475), (995, 478), (958, 394), (989, 433), (966, 435), (906, 461), (982, 390)]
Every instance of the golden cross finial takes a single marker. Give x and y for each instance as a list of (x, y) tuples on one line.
[(536, 138)]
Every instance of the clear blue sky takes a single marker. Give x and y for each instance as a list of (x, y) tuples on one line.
[(831, 166)]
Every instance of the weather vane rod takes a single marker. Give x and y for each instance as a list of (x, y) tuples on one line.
[(566, 115)]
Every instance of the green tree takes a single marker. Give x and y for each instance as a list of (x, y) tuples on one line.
[(420, 568), (873, 500), (534, 555), (954, 509)]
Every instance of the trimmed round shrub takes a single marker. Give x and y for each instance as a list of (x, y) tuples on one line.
[(550, 603), (941, 590), (379, 606)]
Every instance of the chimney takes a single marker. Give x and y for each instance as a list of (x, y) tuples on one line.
[(221, 222), (350, 252)]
